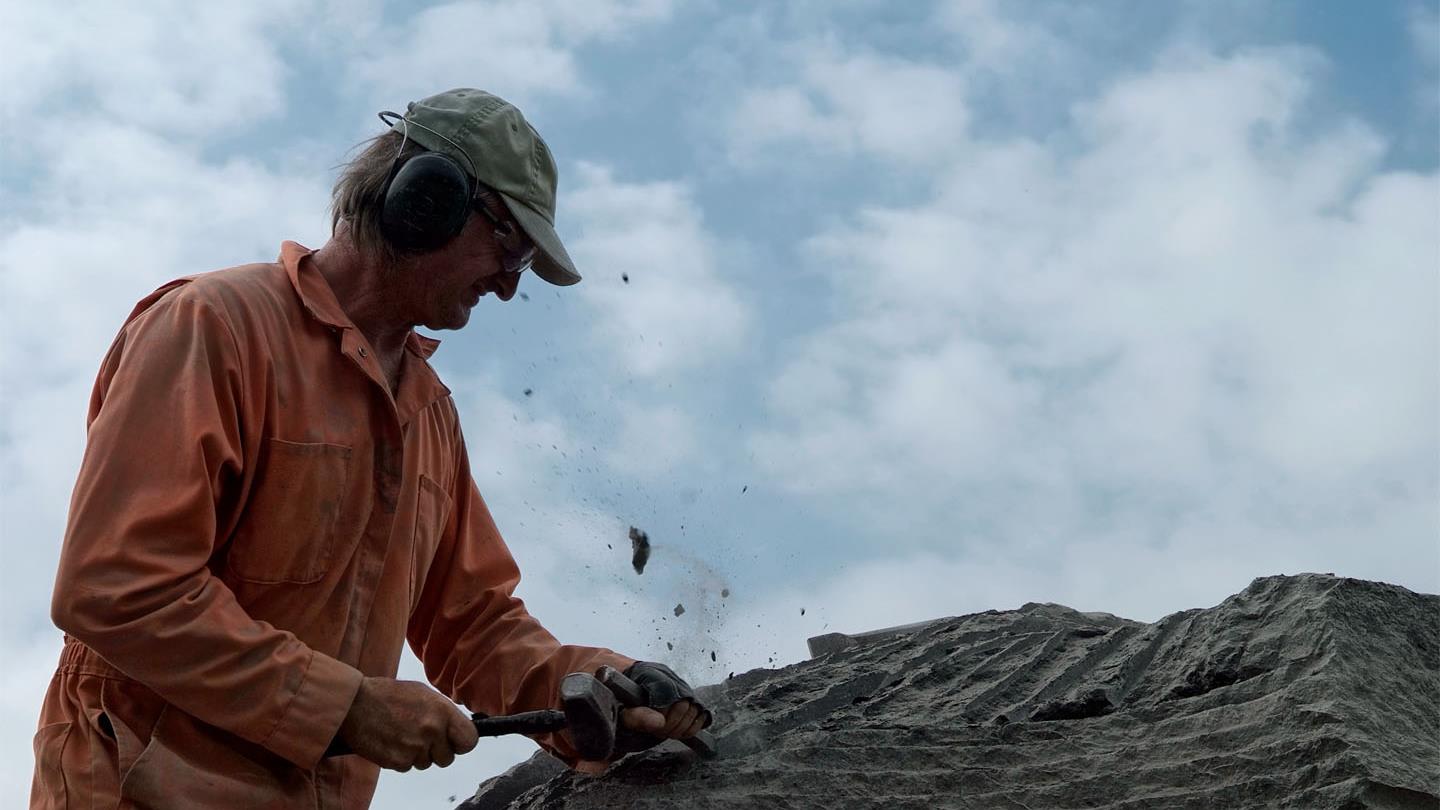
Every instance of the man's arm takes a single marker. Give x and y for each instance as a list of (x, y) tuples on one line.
[(164, 446), (478, 643)]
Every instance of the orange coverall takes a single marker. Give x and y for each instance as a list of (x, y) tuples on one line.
[(257, 524)]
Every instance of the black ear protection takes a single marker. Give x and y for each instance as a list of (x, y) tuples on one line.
[(427, 198), (427, 201)]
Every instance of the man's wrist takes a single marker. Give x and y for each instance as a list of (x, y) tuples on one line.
[(314, 714)]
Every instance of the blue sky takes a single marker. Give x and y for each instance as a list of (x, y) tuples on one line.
[(932, 307)]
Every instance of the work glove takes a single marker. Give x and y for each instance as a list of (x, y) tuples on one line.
[(662, 688)]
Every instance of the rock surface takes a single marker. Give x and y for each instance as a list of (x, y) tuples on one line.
[(1308, 691)]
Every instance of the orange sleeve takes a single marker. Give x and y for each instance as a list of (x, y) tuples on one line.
[(478, 643), (164, 448)]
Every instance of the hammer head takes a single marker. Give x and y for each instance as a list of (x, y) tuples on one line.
[(592, 714)]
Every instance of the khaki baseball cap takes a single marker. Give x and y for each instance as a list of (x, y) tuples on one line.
[(489, 136)]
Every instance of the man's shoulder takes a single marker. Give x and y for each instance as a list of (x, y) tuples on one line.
[(241, 295), (243, 289)]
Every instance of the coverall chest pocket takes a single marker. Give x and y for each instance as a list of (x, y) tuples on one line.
[(287, 532)]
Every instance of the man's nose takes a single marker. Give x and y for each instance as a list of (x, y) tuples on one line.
[(506, 285)]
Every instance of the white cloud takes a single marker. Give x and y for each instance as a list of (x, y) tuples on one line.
[(519, 50), (856, 103), (503, 435), (995, 42), (655, 442), (786, 113), (1202, 301), (182, 67), (578, 21), (1196, 107), (121, 211), (676, 311)]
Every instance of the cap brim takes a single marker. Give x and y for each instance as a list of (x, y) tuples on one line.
[(552, 263)]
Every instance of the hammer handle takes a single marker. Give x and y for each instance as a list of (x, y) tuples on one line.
[(632, 696), (537, 722)]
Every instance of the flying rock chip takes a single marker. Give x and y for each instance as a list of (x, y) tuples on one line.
[(639, 549)]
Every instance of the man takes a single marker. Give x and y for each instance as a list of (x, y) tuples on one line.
[(276, 495)]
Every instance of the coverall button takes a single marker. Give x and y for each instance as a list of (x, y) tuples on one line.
[(362, 351)]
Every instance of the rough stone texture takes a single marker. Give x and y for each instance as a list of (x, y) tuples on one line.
[(498, 791), (1309, 691)]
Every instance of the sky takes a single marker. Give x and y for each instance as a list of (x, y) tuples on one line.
[(891, 311)]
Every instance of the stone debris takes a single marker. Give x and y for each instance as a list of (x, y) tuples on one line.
[(679, 609), (639, 549), (1308, 691)]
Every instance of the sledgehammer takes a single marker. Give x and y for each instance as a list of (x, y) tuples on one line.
[(590, 713)]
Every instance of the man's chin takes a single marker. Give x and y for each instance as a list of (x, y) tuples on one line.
[(455, 320)]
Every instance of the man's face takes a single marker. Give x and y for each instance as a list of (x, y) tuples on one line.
[(450, 281)]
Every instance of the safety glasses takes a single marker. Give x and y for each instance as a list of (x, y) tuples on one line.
[(518, 250)]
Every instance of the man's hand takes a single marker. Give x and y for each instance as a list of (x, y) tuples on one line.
[(681, 720), (404, 724), (673, 713)]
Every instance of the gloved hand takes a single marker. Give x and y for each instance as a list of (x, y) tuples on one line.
[(662, 686), (663, 689)]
